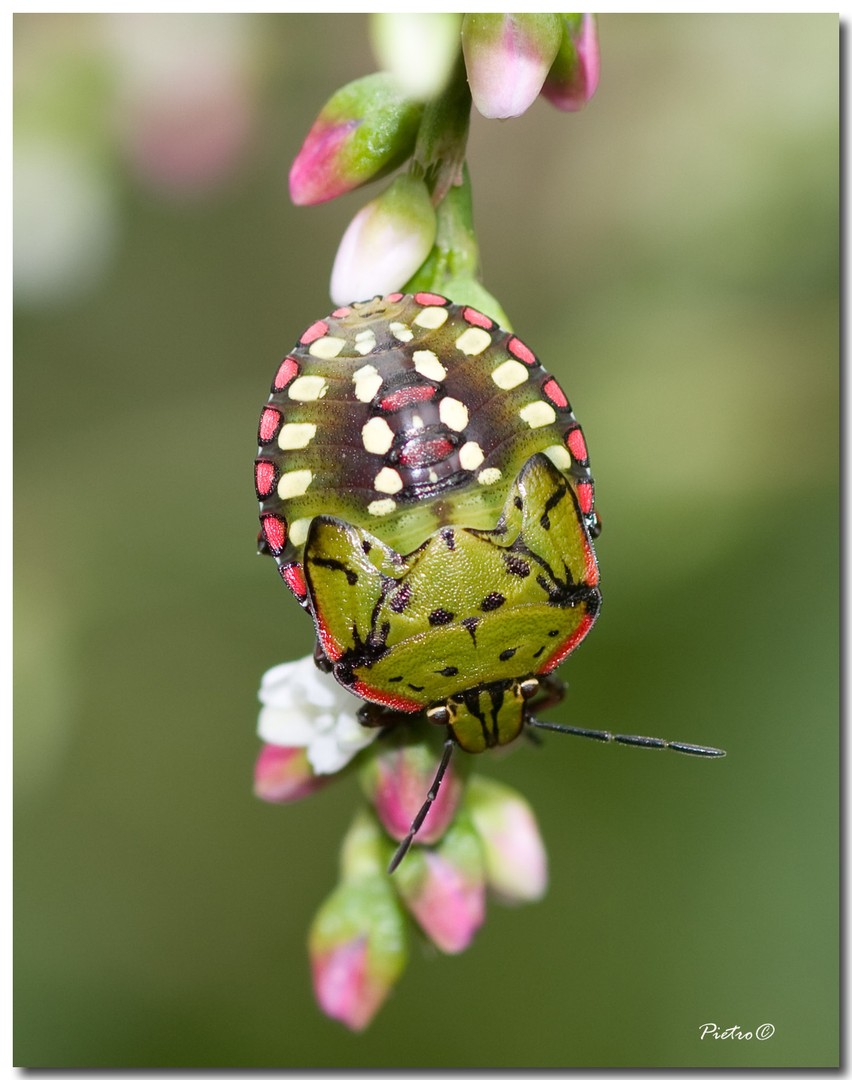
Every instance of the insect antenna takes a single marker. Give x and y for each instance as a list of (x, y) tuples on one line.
[(629, 740), (399, 855)]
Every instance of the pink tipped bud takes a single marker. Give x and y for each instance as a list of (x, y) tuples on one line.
[(385, 242), (364, 131), (357, 949), (573, 78), (397, 780), (283, 774), (444, 889), (515, 858), (507, 59)]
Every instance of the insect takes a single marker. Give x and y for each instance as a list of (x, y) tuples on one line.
[(425, 491)]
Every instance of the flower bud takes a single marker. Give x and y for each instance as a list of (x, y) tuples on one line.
[(357, 949), (418, 49), (444, 888), (283, 774), (507, 59), (385, 242), (515, 858), (364, 131), (573, 78), (396, 780)]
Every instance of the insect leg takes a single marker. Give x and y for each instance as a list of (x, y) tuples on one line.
[(399, 855), (646, 741)]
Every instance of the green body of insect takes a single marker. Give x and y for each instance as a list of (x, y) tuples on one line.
[(465, 620), (425, 490)]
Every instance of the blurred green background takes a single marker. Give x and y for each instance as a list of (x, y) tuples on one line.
[(672, 254)]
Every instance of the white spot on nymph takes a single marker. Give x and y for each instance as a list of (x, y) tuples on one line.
[(558, 455), (308, 387), (388, 480), (325, 348), (489, 476), (433, 477), (400, 331), (428, 365), (510, 374), (431, 318), (417, 421), (538, 414), (296, 436), (377, 435), (293, 484), (367, 382), (299, 531), (471, 456), (453, 413), (365, 342), (473, 341), (380, 507)]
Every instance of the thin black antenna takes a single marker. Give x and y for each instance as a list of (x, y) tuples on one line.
[(629, 740), (424, 809)]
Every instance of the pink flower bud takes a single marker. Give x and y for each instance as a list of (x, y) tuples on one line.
[(357, 950), (397, 781), (385, 242), (444, 889), (283, 774), (515, 858), (364, 131), (573, 78), (507, 59)]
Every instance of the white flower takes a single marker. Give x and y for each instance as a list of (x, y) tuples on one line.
[(303, 706)]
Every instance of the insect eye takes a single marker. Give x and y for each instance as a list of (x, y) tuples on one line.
[(438, 714), (528, 688)]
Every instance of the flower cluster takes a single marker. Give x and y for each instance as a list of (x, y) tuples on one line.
[(369, 127), (480, 837)]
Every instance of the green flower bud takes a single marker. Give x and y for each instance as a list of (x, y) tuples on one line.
[(573, 78), (365, 131), (358, 950), (418, 49), (385, 242), (444, 888), (508, 58)]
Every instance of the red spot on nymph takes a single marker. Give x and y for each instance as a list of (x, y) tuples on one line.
[(287, 371), (274, 532), (408, 395), (586, 496), (568, 646), (419, 452), (384, 697), (517, 348), (314, 331), (264, 477), (270, 420), (394, 297), (554, 392), (430, 299), (341, 312), (293, 575), (476, 318), (577, 445)]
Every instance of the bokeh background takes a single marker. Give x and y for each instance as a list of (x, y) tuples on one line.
[(672, 254)]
